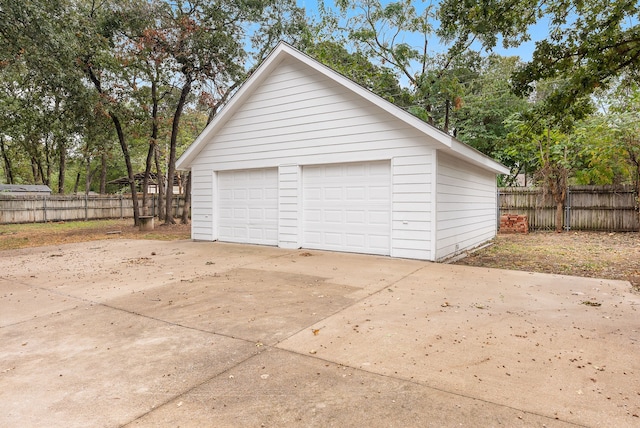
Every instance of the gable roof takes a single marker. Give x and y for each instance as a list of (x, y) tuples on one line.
[(282, 51)]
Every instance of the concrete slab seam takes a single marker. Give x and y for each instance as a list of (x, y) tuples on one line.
[(433, 388), (183, 393)]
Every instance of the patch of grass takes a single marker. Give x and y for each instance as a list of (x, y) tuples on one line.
[(15, 236), (60, 227), (590, 254)]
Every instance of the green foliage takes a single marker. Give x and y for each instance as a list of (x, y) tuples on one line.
[(69, 68), (590, 42), (486, 104), (357, 67)]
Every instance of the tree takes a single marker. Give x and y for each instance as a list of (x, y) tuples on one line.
[(37, 66), (357, 67), (202, 42), (590, 42), (549, 152), (486, 103), (380, 31), (611, 137)]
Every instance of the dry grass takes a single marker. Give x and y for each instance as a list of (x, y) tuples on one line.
[(588, 254), (14, 236)]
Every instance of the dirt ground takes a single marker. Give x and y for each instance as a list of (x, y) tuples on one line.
[(14, 236), (587, 254)]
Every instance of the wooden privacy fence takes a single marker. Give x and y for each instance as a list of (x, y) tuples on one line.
[(607, 208), (40, 209)]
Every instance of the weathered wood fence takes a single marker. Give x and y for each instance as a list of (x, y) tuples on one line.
[(40, 209), (607, 208)]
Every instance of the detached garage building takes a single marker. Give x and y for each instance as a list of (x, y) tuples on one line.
[(302, 157)]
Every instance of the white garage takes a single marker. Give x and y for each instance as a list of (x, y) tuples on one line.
[(302, 157)]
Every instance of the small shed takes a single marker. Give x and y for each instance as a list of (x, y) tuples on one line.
[(302, 157), (24, 189)]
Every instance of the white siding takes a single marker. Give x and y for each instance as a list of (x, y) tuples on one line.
[(289, 206), (466, 206), (202, 204), (299, 116), (412, 206)]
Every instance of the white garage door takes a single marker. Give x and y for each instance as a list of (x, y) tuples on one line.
[(346, 207), (248, 206)]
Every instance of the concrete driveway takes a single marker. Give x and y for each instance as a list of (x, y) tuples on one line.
[(147, 333)]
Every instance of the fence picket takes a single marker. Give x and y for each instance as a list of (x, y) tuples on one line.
[(609, 208), (38, 209)]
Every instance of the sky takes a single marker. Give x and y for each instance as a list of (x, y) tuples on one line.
[(524, 51)]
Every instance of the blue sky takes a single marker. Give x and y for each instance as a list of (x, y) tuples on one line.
[(524, 51)]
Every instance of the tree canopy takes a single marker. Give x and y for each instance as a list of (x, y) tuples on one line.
[(590, 42)]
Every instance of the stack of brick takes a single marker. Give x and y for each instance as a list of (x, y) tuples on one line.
[(514, 223)]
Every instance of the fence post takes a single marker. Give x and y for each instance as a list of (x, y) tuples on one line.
[(153, 205), (86, 207), (44, 209), (121, 208), (567, 211), (498, 209)]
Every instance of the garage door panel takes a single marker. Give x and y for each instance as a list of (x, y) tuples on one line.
[(379, 193), (379, 169), (380, 242), (248, 206), (356, 169), (355, 240), (356, 217), (356, 193), (271, 214), (346, 207), (333, 238), (379, 217)]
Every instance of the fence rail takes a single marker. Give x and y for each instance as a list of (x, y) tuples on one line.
[(607, 208), (40, 209)]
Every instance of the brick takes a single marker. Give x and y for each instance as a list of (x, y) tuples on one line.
[(514, 223)]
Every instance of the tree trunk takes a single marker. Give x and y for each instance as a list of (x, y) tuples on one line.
[(8, 169), (187, 200), (446, 116), (429, 116), (75, 186), (123, 145), (62, 166), (131, 175), (47, 160), (172, 149), (559, 216), (151, 151), (87, 177), (35, 171), (103, 173), (159, 184), (145, 180)]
